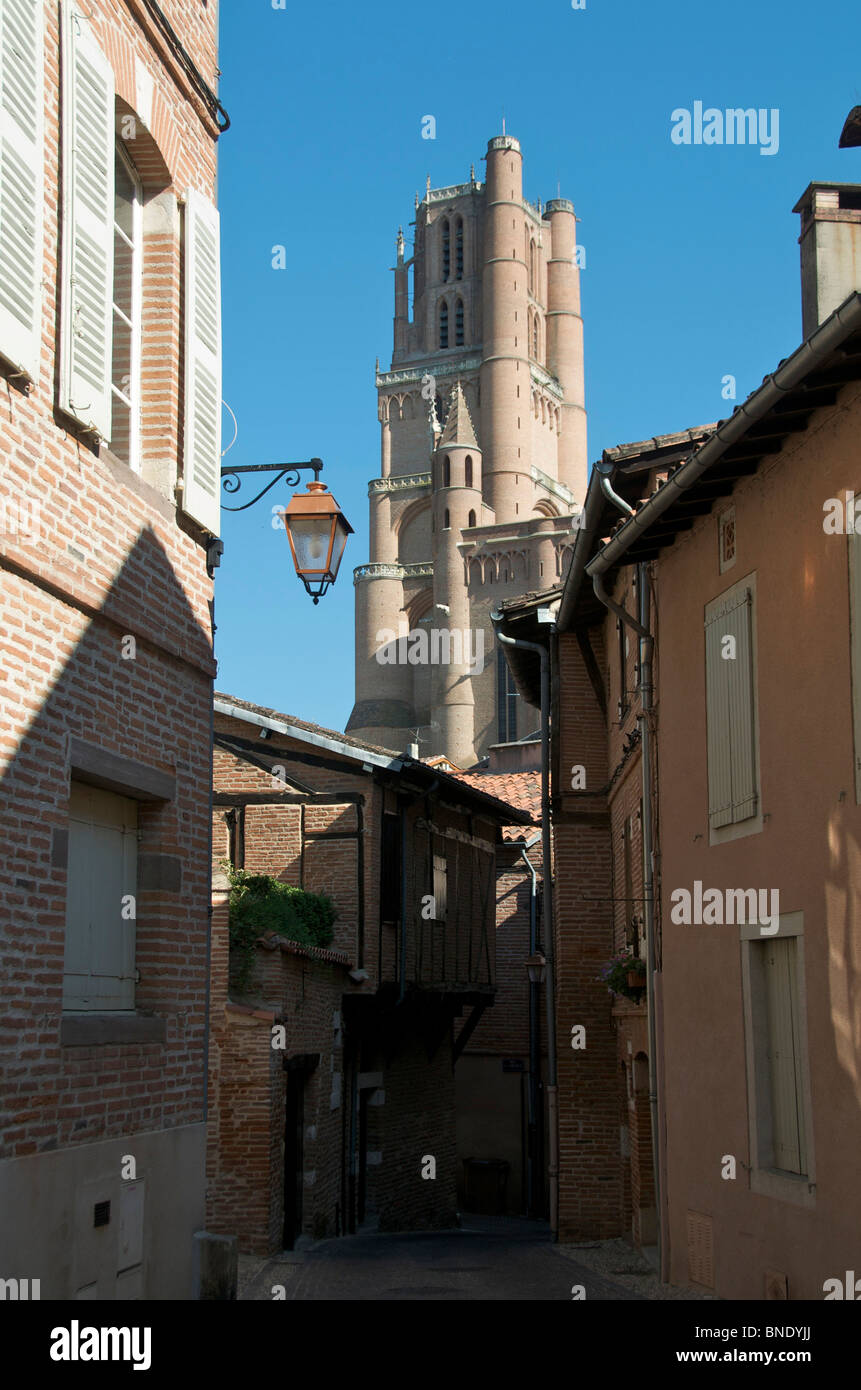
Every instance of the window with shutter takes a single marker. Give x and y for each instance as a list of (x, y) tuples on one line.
[(88, 227), (730, 709), (99, 963), (21, 182), (202, 464), (126, 308), (784, 1054), (778, 1040)]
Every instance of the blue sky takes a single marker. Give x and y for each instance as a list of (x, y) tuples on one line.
[(692, 268)]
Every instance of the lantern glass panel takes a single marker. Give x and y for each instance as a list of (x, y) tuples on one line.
[(311, 540)]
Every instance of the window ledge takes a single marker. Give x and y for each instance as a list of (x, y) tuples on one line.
[(100, 1030), (798, 1189)]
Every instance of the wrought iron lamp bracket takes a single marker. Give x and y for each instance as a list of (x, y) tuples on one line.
[(231, 482)]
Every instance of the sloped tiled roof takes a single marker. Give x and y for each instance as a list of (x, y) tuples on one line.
[(520, 789)]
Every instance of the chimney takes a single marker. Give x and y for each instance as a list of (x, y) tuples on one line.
[(830, 249)]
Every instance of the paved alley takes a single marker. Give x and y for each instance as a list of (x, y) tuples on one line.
[(489, 1259)]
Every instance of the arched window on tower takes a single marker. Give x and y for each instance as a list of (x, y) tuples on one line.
[(446, 249), (535, 337), (446, 472), (458, 249), (471, 520), (443, 325), (468, 471), (446, 525), (531, 266), (458, 323)]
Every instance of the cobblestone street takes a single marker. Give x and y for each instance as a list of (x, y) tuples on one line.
[(488, 1259)]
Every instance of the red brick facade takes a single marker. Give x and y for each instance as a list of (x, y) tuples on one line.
[(111, 560)]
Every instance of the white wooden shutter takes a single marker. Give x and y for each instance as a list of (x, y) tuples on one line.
[(784, 1054), (21, 181), (99, 963), (202, 458), (854, 543), (730, 711), (88, 226)]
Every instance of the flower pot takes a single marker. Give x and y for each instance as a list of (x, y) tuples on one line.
[(636, 979)]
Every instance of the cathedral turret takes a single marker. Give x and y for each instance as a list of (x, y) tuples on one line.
[(505, 381), (565, 342), (456, 506), (402, 298)]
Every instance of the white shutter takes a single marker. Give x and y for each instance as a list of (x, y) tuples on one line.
[(88, 226), (99, 965), (21, 182), (730, 711), (784, 1055), (202, 458)]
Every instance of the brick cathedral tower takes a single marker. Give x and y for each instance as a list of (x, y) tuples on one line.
[(483, 461)]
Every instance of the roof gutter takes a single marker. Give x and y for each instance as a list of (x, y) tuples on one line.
[(583, 547), (334, 745), (827, 337)]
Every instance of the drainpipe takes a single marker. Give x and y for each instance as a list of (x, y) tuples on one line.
[(533, 1206), (547, 879), (647, 642)]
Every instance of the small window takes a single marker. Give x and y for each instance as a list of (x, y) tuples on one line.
[(778, 1050), (531, 266), (726, 539), (730, 708), (443, 325), (506, 701), (471, 519), (446, 525), (126, 313), (535, 336), (468, 471), (99, 964), (458, 249), (446, 472), (458, 324), (440, 887), (446, 249)]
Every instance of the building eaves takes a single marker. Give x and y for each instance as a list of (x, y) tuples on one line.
[(329, 739), (807, 381)]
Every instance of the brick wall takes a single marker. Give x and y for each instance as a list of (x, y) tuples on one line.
[(416, 1120), (590, 1163), (248, 1091), (111, 561)]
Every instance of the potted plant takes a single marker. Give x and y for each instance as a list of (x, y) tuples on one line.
[(624, 975)]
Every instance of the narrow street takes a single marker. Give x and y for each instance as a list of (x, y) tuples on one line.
[(489, 1259)]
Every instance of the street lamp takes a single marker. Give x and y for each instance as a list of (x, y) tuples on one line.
[(536, 968), (317, 531), (316, 527)]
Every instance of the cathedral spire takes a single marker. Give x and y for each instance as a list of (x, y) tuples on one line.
[(459, 428)]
